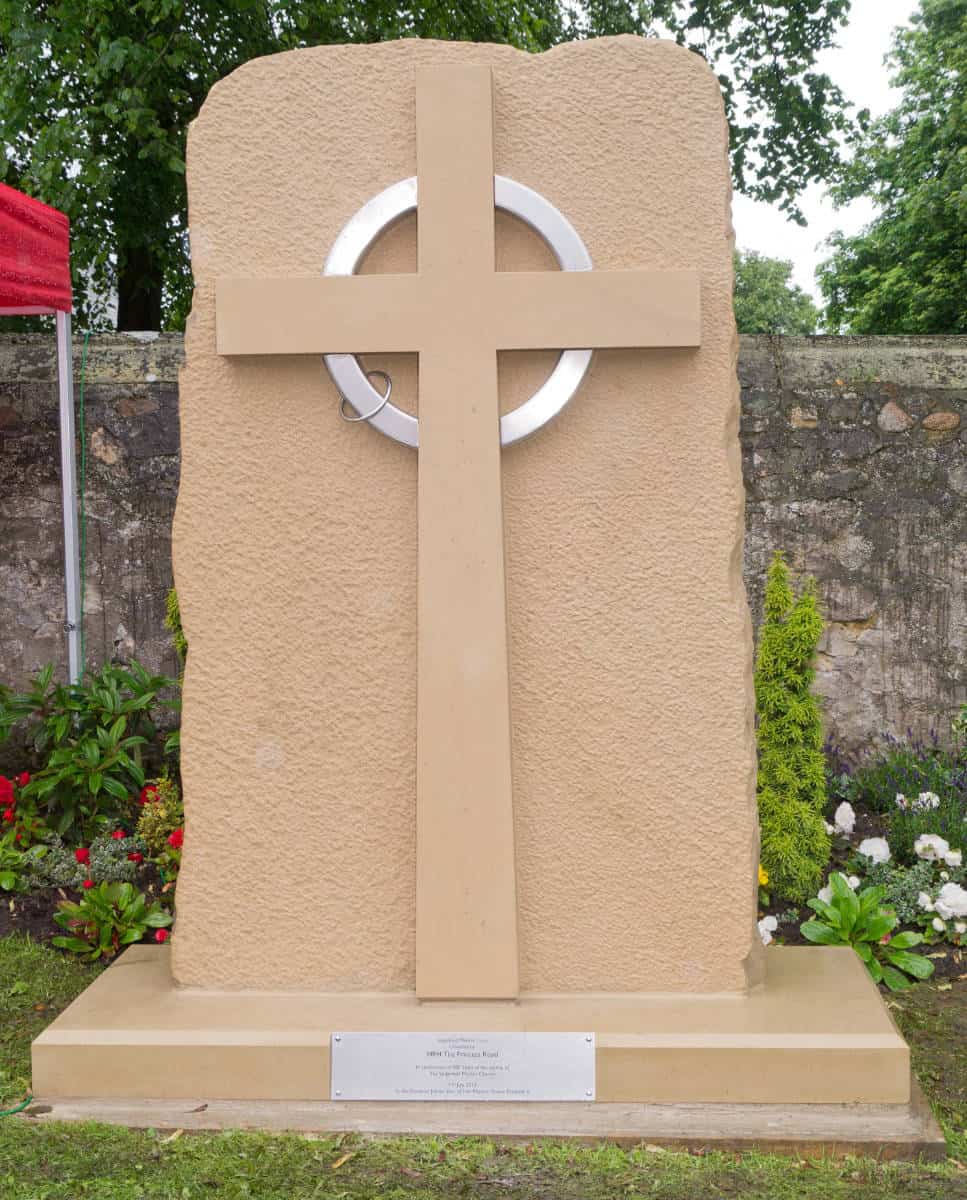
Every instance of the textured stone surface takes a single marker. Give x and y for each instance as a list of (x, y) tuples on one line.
[(295, 553), (873, 509), (131, 411)]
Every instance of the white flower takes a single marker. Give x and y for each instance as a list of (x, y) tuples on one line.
[(767, 927), (945, 875), (928, 800), (960, 926), (854, 882), (876, 849), (938, 925), (844, 818), (901, 800), (953, 858), (952, 901), (826, 894), (925, 902), (830, 829), (931, 847)]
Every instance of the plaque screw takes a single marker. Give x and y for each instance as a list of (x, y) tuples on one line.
[(339, 1093), (589, 1038), (337, 1037), (587, 1093)]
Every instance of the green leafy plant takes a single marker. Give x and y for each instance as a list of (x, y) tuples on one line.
[(902, 886), (792, 780), (90, 738), (107, 917), (893, 767), (946, 819), (16, 864), (108, 859), (173, 625), (861, 921)]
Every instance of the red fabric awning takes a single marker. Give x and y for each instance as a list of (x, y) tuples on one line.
[(35, 273)]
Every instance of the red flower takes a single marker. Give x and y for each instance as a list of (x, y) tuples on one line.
[(6, 790), (148, 792), (88, 883), (23, 779), (135, 857), (118, 835), (8, 814), (177, 839), (82, 855), (161, 935)]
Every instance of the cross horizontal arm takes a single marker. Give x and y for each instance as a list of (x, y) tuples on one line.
[(316, 314), (561, 310)]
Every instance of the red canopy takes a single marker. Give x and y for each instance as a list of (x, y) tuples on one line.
[(35, 273)]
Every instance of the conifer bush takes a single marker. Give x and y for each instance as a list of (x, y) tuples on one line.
[(791, 782)]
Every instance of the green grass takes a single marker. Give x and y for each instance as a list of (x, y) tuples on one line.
[(933, 1019), (69, 1162), (36, 983)]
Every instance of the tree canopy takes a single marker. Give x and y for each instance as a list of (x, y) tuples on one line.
[(96, 97), (907, 271), (766, 301)]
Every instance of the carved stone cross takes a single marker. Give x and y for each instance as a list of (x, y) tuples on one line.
[(457, 311)]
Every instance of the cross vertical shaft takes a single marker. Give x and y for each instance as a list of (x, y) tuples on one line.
[(466, 910)]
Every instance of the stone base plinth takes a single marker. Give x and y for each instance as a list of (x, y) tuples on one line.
[(816, 1033)]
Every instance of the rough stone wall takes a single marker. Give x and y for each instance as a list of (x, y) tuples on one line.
[(131, 417), (855, 453)]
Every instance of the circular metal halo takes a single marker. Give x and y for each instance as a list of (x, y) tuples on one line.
[(382, 211)]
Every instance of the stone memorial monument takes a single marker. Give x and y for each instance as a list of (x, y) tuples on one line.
[(468, 747)]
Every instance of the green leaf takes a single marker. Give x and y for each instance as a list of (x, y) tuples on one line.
[(913, 964), (831, 914), (874, 968), (906, 939), (115, 788), (816, 931), (895, 980), (879, 926), (94, 782)]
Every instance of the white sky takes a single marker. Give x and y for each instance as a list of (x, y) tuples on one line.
[(856, 65)]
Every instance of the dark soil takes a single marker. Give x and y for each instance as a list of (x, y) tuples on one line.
[(33, 913)]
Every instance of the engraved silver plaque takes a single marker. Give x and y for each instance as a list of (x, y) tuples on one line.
[(462, 1066)]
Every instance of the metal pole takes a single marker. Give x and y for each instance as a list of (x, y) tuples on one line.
[(68, 478)]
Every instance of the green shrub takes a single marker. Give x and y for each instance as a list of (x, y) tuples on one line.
[(90, 738), (173, 625), (947, 820), (792, 777), (16, 864), (161, 814), (902, 885), (108, 860), (904, 768), (107, 917), (862, 922)]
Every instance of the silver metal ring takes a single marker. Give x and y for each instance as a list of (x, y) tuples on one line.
[(384, 400), (382, 211)]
